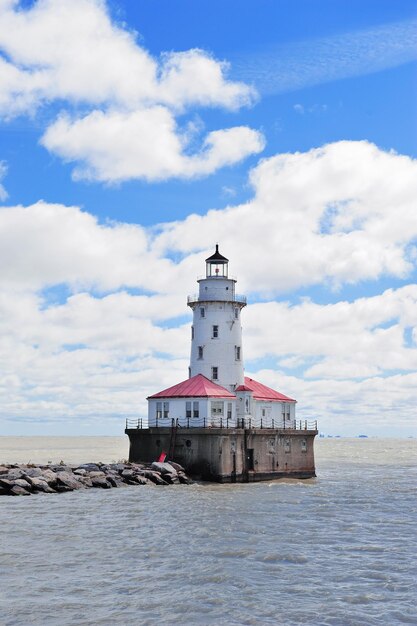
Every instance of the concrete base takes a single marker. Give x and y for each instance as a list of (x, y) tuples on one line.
[(229, 454)]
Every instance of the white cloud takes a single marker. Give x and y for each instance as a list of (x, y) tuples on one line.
[(345, 340), (342, 213), (102, 350), (293, 66), (71, 52), (144, 144), (70, 49)]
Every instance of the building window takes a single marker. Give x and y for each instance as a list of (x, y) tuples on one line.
[(286, 416), (192, 332), (189, 372), (237, 353), (166, 410), (287, 445), (196, 409), (263, 412), (215, 373), (303, 445), (202, 312), (215, 332), (229, 410), (217, 407), (236, 314), (188, 409), (200, 352), (158, 410)]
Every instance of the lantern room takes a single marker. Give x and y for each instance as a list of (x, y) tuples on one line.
[(216, 265)]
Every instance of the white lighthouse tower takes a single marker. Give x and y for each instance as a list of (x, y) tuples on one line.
[(217, 423), (216, 333)]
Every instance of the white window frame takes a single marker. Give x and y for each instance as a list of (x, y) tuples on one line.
[(217, 408)]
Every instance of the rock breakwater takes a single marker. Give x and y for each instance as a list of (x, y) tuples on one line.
[(24, 480)]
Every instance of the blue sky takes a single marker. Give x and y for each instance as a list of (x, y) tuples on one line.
[(136, 135)]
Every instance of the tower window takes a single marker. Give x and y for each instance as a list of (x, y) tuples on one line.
[(158, 410), (303, 445), (188, 409), (200, 352), (237, 353), (229, 410), (192, 332), (202, 312), (166, 409), (215, 373), (215, 333), (236, 314), (196, 409)]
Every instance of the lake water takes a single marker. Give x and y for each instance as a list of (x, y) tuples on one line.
[(337, 550)]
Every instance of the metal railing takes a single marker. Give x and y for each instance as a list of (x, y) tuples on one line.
[(222, 422), (233, 297)]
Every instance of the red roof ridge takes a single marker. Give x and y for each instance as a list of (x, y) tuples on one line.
[(199, 386), (243, 388), (262, 392)]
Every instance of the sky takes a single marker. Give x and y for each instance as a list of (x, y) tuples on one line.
[(134, 136)]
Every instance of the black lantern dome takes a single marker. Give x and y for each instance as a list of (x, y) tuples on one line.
[(216, 265)]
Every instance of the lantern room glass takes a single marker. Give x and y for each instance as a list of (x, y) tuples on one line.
[(216, 270)]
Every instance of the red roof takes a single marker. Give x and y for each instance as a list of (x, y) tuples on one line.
[(196, 387), (243, 388), (262, 392)]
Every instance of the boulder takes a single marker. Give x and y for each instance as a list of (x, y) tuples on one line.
[(163, 468), (154, 477), (38, 484), (61, 468), (4, 469), (49, 476), (15, 473), (90, 467), (126, 473), (19, 491), (34, 472), (177, 467), (171, 479), (96, 474), (6, 483), (80, 471), (65, 479), (184, 479), (21, 482), (140, 480), (118, 467), (85, 480), (101, 482), (113, 481)]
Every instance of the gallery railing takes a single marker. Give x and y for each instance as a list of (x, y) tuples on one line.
[(222, 422)]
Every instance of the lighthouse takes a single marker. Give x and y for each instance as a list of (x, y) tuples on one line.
[(218, 423), (216, 331)]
